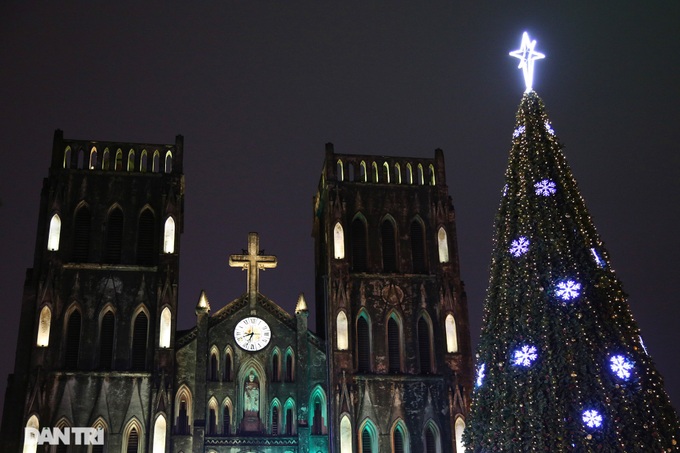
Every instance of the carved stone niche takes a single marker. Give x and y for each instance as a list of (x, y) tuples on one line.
[(392, 294)]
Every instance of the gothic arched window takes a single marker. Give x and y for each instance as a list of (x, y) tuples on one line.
[(169, 236), (139, 342), (458, 428), (359, 250), (399, 438), (132, 441), (451, 334), (44, 325), (424, 346), (114, 236), (342, 332), (54, 233), (368, 438), (276, 367), (30, 438), (394, 345), (345, 435), (442, 245), (389, 246), (214, 370), (431, 438), (159, 434), (165, 328), (363, 345), (226, 420), (106, 340), (228, 366), (81, 235), (72, 341), (290, 366), (145, 238), (338, 242), (168, 162), (417, 247)]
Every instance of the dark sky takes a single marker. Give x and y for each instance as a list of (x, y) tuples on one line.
[(258, 87)]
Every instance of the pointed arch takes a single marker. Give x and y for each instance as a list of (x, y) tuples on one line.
[(459, 428), (451, 333), (386, 170), (342, 331), (290, 365), (248, 366), (183, 410), (409, 173), (340, 170), (160, 429), (345, 434), (44, 324), (54, 233), (431, 175), (418, 246), (118, 166), (363, 172), (214, 364), (359, 244), (442, 245), (107, 334), (139, 336), (397, 173), (388, 238), (338, 242), (146, 242), (67, 157), (168, 161), (228, 364), (395, 342), (425, 356), (155, 164), (81, 159), (93, 159), (368, 437), (143, 161), (318, 411), (165, 328), (31, 436), (106, 159), (99, 423), (276, 365), (212, 417), (363, 342), (399, 437), (81, 234), (374, 168), (289, 417), (131, 160), (73, 323), (169, 235), (133, 436), (227, 411), (421, 175), (431, 438), (275, 417), (114, 235)]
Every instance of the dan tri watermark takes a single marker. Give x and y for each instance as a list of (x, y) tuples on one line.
[(64, 436)]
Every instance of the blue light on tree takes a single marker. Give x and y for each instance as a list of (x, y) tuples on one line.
[(568, 290), (621, 366), (480, 374), (596, 258), (524, 356), (545, 187), (519, 246), (549, 128), (592, 418), (519, 131)]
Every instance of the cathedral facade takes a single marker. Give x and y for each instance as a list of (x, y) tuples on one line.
[(388, 370)]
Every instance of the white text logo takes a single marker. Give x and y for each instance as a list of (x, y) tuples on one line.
[(64, 436)]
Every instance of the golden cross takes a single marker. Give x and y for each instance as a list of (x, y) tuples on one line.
[(253, 262)]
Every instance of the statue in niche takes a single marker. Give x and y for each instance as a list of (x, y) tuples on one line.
[(252, 396)]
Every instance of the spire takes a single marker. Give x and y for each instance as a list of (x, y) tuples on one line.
[(203, 305), (561, 366), (301, 304)]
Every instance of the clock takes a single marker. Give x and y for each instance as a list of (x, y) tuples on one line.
[(252, 333)]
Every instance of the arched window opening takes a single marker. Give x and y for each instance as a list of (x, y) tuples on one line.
[(93, 158), (363, 345), (226, 420), (183, 418), (424, 346), (81, 159), (318, 411), (459, 427), (114, 236), (139, 342), (421, 175), (169, 236), (155, 165), (54, 233), (119, 160), (133, 441), (145, 238), (106, 341), (143, 164), (359, 250), (397, 173), (340, 171), (431, 439), (44, 325), (338, 242), (342, 331), (432, 178), (363, 173), (289, 422), (368, 439), (31, 436), (442, 245), (183, 410), (417, 247), (212, 422), (276, 367), (393, 345), (398, 440), (131, 160), (290, 367), (275, 421), (350, 171), (165, 328), (374, 166), (72, 341), (451, 334), (67, 157), (168, 162), (81, 236), (106, 159), (99, 424), (389, 247), (409, 173), (386, 170), (345, 435), (214, 373), (227, 367), (159, 434)]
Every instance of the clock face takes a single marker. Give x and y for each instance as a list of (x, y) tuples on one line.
[(252, 334)]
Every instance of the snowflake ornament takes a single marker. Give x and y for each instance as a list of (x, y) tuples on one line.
[(549, 128), (519, 131), (592, 418), (525, 356), (480, 374), (519, 246), (545, 188), (568, 290), (621, 366)]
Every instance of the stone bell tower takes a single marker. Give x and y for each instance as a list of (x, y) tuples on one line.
[(391, 304)]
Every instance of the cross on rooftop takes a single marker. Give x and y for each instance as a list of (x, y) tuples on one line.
[(253, 262)]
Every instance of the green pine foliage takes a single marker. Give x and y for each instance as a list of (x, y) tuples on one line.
[(540, 407)]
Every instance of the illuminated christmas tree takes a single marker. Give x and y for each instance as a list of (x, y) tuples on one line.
[(561, 365)]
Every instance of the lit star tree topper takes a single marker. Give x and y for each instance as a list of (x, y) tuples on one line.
[(527, 55)]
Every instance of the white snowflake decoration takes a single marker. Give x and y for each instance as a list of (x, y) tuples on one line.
[(481, 374), (519, 131), (549, 128), (592, 418), (621, 366), (597, 258), (525, 356), (519, 246), (545, 188), (568, 290)]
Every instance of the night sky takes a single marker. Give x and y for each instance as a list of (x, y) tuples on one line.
[(257, 88)]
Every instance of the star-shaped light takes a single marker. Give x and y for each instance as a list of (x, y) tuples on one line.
[(527, 55)]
